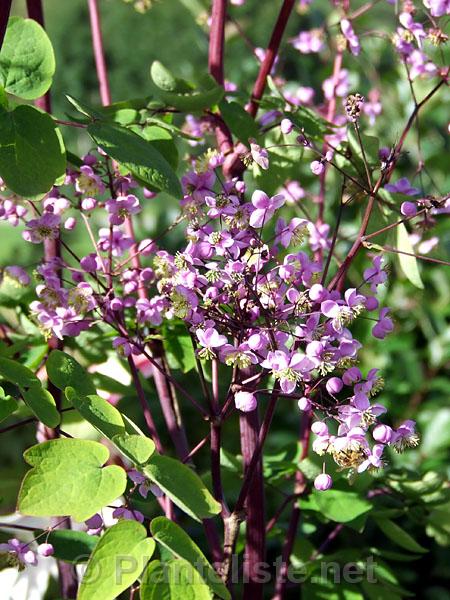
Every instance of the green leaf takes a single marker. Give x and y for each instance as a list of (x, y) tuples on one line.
[(309, 121), (138, 448), (399, 536), (181, 95), (98, 412), (162, 141), (408, 264), (67, 478), (27, 61), (17, 373), (117, 561), (7, 405), (42, 403), (183, 486), (32, 154), (137, 155), (174, 580), (110, 422), (238, 120), (178, 346), (165, 80), (64, 371), (341, 506), (371, 145), (72, 546), (171, 536)]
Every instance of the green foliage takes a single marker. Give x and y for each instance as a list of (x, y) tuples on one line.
[(173, 580), (399, 536), (182, 95), (42, 403), (27, 61), (337, 505), (174, 538), (67, 478), (7, 405), (183, 486), (120, 556), (177, 343), (32, 153), (239, 121), (64, 371), (408, 262), (72, 546), (137, 155)]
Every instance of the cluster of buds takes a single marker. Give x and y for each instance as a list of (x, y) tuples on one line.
[(353, 106)]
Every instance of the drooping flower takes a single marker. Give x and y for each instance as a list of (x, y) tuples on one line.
[(45, 227), (264, 207), (245, 401)]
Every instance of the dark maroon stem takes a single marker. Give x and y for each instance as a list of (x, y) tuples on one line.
[(216, 40), (305, 431), (68, 579), (99, 54), (270, 55), (255, 545), (5, 9)]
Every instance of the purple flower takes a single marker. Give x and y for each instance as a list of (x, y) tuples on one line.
[(405, 436), (245, 401), (402, 186), (17, 274), (360, 413), (339, 88), (375, 274), (415, 28), (125, 513), (124, 347), (94, 524), (209, 339), (384, 325), (373, 460), (121, 208), (308, 42), (343, 313), (351, 37), (43, 228), (119, 242), (264, 207), (21, 551), (88, 182), (259, 155), (289, 369), (304, 404), (438, 8), (296, 230), (420, 65)]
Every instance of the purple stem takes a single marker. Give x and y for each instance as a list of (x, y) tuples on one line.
[(305, 431), (255, 546), (68, 579)]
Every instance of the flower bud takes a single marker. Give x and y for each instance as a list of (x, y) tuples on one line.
[(317, 167), (408, 209), (70, 223), (382, 434), (245, 401), (304, 403), (334, 385), (323, 482), (319, 428), (286, 126), (45, 549), (351, 375), (88, 203)]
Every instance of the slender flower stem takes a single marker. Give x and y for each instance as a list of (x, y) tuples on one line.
[(68, 578), (255, 546), (270, 55), (99, 53), (216, 40), (305, 430)]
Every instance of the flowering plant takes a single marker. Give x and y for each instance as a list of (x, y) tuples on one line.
[(257, 302)]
